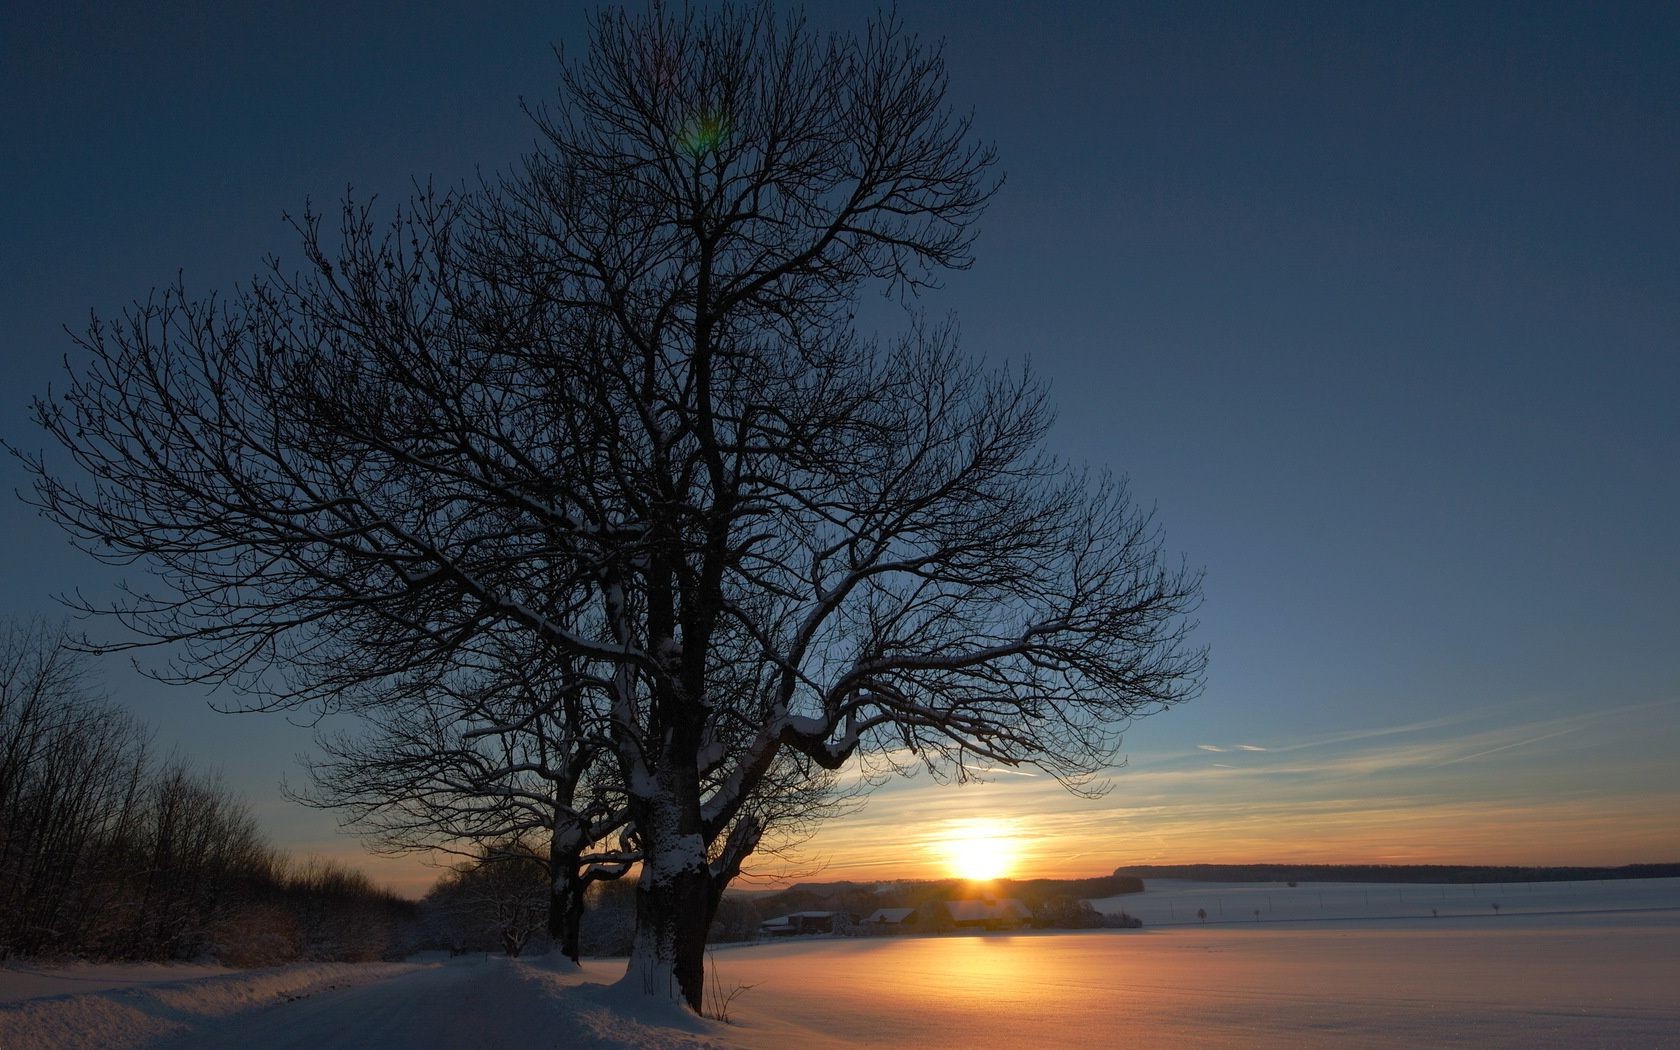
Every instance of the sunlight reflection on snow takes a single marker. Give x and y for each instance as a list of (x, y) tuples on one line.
[(1514, 980)]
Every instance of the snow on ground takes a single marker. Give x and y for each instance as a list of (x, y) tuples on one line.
[(1539, 986), (1583, 965), (143, 1004), (25, 980), (1167, 902)]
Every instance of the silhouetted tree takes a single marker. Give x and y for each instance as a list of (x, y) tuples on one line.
[(609, 922), (465, 764), (500, 898), (1066, 913), (932, 916), (107, 852), (612, 406), (74, 777), (736, 920)]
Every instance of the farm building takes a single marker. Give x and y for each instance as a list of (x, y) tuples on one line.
[(891, 919), (799, 922), (1006, 914)]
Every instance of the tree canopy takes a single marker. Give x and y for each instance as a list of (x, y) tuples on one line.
[(609, 412)]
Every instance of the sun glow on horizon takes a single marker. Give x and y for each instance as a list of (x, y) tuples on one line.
[(978, 850)]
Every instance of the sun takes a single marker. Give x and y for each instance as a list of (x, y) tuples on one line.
[(979, 850)]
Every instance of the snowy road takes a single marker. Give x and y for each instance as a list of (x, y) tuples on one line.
[(481, 1003), (473, 1005), (475, 1002)]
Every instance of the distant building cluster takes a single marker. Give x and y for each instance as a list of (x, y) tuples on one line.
[(933, 917)]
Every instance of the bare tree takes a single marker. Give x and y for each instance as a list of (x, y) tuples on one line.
[(466, 767), (74, 773), (462, 765), (501, 894), (611, 406), (103, 850)]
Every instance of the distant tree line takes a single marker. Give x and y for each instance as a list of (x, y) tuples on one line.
[(495, 902), (108, 850), (1429, 873), (1055, 903), (1030, 890), (866, 897)]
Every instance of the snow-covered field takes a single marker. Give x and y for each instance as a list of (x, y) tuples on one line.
[(1580, 965), (1167, 902)]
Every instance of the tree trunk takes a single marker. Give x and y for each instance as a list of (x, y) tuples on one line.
[(668, 956), (565, 911), (567, 884), (673, 896)]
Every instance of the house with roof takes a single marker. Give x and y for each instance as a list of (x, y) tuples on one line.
[(890, 920), (799, 922), (1005, 914)]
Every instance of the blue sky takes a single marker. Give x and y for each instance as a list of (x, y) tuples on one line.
[(1380, 308)]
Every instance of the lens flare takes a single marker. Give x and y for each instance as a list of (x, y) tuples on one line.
[(703, 133)]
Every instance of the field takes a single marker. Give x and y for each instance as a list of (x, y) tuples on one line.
[(1170, 902), (1583, 964)]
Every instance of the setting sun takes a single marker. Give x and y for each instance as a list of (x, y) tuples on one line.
[(979, 850)]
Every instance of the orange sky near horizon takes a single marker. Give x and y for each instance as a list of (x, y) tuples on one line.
[(1524, 792), (854, 850)]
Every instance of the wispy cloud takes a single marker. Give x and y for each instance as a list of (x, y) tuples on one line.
[(1222, 749), (1353, 735), (1506, 747)]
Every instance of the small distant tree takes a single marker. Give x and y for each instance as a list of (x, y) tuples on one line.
[(934, 917), (501, 899), (736, 920), (460, 761), (609, 920), (1064, 912), (1496, 907)]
